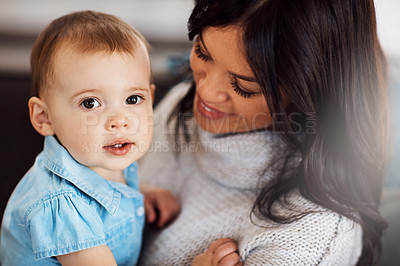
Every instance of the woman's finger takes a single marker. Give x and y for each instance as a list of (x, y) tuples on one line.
[(165, 215), (150, 211), (168, 209), (217, 243), (225, 249), (232, 259)]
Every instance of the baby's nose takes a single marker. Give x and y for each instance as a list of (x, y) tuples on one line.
[(116, 122)]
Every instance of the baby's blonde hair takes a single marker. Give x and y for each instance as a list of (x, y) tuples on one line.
[(85, 32)]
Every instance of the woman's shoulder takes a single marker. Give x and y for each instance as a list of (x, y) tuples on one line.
[(320, 236)]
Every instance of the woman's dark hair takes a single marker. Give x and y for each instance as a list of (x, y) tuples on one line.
[(325, 58)]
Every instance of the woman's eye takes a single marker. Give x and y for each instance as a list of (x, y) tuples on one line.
[(242, 92), (90, 103), (134, 99), (200, 54)]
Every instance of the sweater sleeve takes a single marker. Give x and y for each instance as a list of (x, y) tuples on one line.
[(317, 239)]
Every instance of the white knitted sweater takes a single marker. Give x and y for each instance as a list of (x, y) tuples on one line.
[(216, 180)]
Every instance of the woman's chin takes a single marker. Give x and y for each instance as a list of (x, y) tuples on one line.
[(220, 126)]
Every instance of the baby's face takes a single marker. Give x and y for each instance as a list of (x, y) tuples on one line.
[(100, 107)]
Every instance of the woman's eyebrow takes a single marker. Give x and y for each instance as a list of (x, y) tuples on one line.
[(246, 78), (203, 44), (250, 79)]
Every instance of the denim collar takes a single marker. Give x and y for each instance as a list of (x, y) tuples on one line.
[(58, 160)]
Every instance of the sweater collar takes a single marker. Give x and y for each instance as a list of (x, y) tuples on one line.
[(242, 161)]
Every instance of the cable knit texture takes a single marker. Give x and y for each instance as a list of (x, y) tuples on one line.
[(217, 178)]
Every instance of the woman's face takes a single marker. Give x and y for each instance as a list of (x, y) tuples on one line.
[(228, 98)]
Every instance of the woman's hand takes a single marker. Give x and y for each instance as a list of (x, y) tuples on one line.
[(160, 205), (222, 252)]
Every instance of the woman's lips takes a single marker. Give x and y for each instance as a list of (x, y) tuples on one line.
[(119, 147), (209, 112)]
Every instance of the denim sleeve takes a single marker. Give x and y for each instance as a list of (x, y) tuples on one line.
[(63, 224)]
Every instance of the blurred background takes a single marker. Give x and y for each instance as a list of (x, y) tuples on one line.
[(163, 23)]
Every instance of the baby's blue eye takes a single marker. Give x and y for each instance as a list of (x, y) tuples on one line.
[(90, 103), (134, 99)]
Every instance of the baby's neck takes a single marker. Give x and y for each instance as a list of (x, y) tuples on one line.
[(115, 176)]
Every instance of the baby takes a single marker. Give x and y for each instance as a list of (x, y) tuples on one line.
[(80, 202)]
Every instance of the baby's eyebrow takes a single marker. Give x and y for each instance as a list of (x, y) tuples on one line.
[(83, 91), (97, 90), (139, 89)]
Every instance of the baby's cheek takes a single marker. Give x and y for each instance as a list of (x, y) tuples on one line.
[(88, 123), (145, 126)]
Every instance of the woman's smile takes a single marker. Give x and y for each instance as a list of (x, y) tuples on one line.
[(209, 112)]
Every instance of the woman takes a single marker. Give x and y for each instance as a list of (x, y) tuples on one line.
[(280, 138)]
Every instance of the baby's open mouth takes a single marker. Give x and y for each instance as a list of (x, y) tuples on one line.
[(118, 145), (119, 148)]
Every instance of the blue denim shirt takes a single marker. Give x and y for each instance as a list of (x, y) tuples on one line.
[(61, 206)]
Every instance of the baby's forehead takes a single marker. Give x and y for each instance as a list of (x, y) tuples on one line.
[(81, 48), (76, 53), (74, 68)]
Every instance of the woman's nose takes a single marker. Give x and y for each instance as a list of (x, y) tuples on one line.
[(211, 90), (116, 121)]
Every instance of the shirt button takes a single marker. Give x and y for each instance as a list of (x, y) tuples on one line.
[(140, 211)]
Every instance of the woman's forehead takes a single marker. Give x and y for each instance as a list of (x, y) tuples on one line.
[(226, 48)]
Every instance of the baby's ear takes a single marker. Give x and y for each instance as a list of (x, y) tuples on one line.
[(38, 113), (152, 90)]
